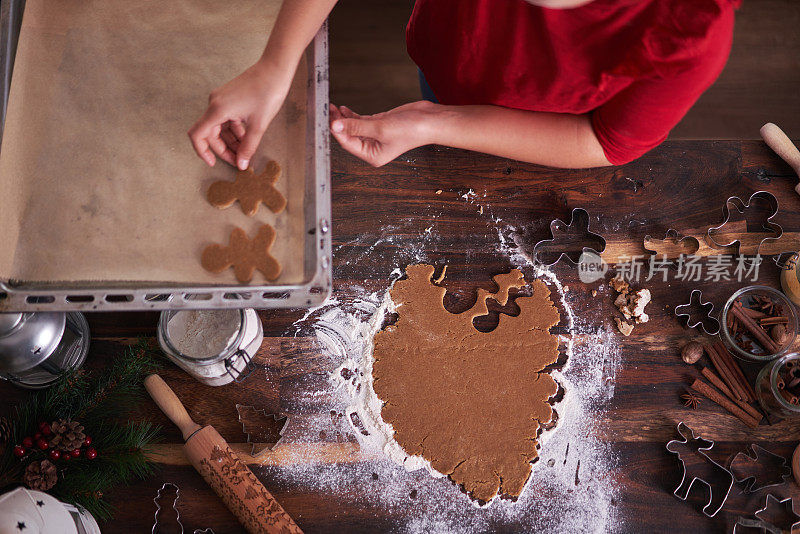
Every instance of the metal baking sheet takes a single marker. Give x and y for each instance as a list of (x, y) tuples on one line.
[(98, 296)]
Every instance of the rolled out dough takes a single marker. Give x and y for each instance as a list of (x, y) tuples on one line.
[(469, 402)]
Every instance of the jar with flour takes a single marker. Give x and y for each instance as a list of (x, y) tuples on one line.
[(214, 346)]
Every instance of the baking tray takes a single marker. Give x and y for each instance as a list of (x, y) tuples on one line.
[(118, 296)]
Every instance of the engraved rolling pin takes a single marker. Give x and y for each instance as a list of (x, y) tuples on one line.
[(780, 143), (233, 481)]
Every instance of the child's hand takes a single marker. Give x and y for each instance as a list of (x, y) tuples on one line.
[(378, 139), (238, 114)]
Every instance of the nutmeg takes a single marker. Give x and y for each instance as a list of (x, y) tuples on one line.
[(778, 334), (691, 352)]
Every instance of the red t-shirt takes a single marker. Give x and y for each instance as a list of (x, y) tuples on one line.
[(636, 65)]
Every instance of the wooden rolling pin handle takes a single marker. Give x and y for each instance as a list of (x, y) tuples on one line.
[(780, 143), (169, 403)]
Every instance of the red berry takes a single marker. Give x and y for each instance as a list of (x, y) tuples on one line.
[(42, 444), (55, 454), (27, 442), (45, 429), (75, 453), (37, 436), (91, 453), (19, 451), (87, 441), (41, 424), (65, 456)]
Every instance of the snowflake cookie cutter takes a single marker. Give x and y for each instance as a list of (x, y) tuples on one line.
[(579, 221), (763, 524), (757, 455), (692, 445), (706, 309), (741, 206)]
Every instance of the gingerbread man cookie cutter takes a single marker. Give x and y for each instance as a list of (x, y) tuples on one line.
[(696, 301), (250, 189), (740, 206), (244, 255), (578, 222)]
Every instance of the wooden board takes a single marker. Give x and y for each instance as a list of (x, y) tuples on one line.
[(682, 184)]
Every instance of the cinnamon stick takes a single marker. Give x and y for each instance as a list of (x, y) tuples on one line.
[(755, 314), (715, 396), (734, 366), (720, 385), (769, 321), (754, 328), (723, 371)]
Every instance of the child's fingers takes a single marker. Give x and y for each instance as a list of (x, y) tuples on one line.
[(357, 127), (349, 113), (249, 144), (222, 150), (238, 129), (230, 139), (201, 147)]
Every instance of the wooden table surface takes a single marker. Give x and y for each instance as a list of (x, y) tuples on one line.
[(381, 219)]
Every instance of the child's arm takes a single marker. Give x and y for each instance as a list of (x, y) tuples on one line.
[(554, 139), (240, 111)]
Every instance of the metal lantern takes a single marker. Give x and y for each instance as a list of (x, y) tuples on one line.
[(36, 348), (24, 511)]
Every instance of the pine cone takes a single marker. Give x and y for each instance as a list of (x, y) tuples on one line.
[(40, 475), (67, 435)]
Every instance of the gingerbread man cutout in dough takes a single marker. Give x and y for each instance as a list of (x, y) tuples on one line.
[(250, 190), (244, 255)]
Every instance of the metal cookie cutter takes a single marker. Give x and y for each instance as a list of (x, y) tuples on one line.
[(740, 207), (688, 244), (768, 462), (764, 520), (706, 471), (696, 301), (159, 496), (567, 239)]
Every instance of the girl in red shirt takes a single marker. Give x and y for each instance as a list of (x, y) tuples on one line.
[(565, 83)]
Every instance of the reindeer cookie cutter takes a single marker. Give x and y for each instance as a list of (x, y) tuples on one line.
[(579, 222), (695, 445), (696, 301)]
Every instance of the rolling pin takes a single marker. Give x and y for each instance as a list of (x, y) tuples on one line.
[(231, 479), (780, 143)]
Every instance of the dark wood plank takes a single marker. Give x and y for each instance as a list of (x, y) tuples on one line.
[(380, 220)]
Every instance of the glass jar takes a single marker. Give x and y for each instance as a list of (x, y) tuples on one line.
[(216, 347), (747, 296), (773, 391)]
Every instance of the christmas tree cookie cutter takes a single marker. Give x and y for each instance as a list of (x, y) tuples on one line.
[(709, 324), (755, 457), (703, 469)]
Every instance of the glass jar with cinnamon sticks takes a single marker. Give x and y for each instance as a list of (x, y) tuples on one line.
[(778, 386), (759, 324)]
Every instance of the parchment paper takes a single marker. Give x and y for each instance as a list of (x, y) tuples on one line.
[(98, 179)]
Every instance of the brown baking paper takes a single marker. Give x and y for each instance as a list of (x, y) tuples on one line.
[(98, 179)]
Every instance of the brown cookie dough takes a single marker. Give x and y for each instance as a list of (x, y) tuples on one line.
[(244, 255), (250, 190), (469, 402)]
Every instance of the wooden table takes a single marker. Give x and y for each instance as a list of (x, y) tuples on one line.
[(380, 218)]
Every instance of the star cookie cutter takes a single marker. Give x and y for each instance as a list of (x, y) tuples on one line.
[(742, 465), (578, 224), (696, 301), (692, 473), (740, 206), (768, 527)]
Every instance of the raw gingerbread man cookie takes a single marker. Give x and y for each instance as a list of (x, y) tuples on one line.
[(250, 190), (244, 255)]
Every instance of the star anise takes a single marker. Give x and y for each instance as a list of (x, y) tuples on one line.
[(690, 400)]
